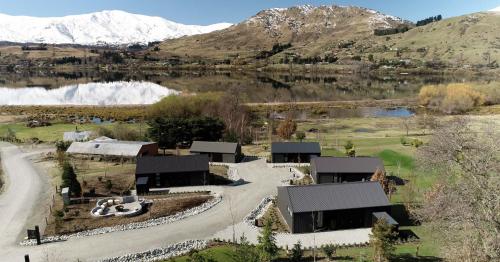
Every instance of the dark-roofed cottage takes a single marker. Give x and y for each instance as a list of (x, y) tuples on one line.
[(218, 151), (332, 206), (344, 169), (171, 171), (294, 152)]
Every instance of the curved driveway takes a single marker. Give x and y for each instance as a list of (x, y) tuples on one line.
[(25, 185)]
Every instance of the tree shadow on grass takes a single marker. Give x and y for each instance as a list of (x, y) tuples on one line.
[(400, 214), (411, 258)]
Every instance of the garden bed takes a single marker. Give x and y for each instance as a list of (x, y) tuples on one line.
[(77, 217), (273, 213)]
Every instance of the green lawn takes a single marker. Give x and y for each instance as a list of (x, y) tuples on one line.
[(218, 253), (50, 133), (405, 252)]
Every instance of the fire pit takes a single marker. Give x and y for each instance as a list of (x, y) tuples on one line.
[(119, 206)]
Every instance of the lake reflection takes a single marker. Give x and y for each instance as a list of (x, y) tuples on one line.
[(257, 86), (96, 94)]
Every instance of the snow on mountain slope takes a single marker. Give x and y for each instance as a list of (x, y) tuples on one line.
[(495, 10), (106, 27), (98, 94), (299, 18)]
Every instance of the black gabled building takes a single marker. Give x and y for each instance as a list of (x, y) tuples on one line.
[(171, 171), (344, 169), (294, 152), (218, 151), (327, 207)]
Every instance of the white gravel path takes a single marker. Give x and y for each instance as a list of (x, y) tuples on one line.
[(237, 202)]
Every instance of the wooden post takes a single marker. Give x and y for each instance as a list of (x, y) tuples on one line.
[(26, 258), (37, 233)]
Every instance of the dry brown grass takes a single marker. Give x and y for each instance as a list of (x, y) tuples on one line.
[(77, 217), (219, 171), (94, 175), (52, 52)]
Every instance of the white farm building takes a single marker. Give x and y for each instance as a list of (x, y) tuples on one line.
[(77, 136), (107, 147)]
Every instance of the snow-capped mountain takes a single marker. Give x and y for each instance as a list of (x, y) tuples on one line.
[(495, 10), (106, 27), (322, 16), (310, 30)]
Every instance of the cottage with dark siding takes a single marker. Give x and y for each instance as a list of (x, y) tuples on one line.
[(326, 170), (171, 171), (218, 151), (327, 207), (294, 152)]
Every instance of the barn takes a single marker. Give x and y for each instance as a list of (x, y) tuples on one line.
[(294, 152), (326, 170), (171, 171), (218, 151), (112, 148), (78, 136), (329, 207)]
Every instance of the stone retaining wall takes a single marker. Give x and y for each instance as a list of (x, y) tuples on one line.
[(167, 252)]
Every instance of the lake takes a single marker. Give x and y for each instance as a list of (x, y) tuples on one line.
[(145, 87)]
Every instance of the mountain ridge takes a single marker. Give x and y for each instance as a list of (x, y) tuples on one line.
[(307, 34), (113, 27), (303, 26)]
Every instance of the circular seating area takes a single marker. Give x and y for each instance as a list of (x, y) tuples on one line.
[(118, 206)]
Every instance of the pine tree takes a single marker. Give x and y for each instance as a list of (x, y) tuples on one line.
[(246, 252), (382, 241), (267, 243), (69, 180), (297, 253)]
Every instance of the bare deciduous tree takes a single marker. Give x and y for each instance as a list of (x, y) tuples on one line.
[(465, 205)]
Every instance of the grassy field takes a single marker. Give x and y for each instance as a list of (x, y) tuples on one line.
[(51, 133), (371, 137)]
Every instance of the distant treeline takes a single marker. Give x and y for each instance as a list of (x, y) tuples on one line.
[(429, 20), (68, 60), (277, 48), (114, 57), (309, 59), (41, 47), (391, 31)]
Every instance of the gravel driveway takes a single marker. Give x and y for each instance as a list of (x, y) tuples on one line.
[(25, 185)]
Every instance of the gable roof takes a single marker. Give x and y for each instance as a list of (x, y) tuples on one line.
[(213, 147), (171, 164), (108, 147), (347, 164), (77, 136), (295, 147), (327, 197)]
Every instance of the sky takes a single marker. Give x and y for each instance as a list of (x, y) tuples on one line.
[(205, 12)]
